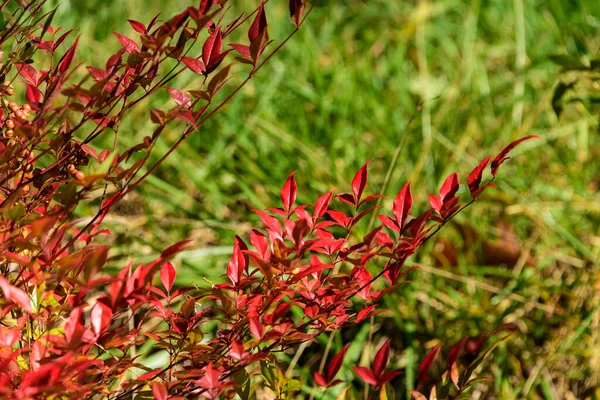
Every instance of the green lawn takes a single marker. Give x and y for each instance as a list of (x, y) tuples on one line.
[(341, 92)]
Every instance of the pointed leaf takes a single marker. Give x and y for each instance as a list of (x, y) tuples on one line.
[(382, 358), (389, 376), (257, 329), (67, 59), (205, 6), (449, 188), (137, 26), (237, 350), (128, 44), (270, 222), (212, 47), (242, 49), (456, 351), (180, 97), (195, 65), (502, 156), (159, 391), (33, 96), (167, 275), (259, 23), (28, 73), (288, 193), (15, 295), (174, 249), (366, 375), (322, 204), (417, 395), (390, 223), (474, 179), (100, 317), (258, 45), (259, 241), (335, 363), (427, 362), (360, 182), (320, 379), (436, 203), (296, 9), (402, 205), (238, 262)]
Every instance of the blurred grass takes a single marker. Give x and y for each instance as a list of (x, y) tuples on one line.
[(341, 92)]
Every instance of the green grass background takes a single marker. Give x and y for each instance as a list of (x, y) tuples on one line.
[(342, 92)]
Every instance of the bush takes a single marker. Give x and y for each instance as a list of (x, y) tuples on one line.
[(72, 330)]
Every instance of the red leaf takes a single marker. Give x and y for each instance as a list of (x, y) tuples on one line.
[(259, 23), (320, 379), (74, 327), (195, 65), (335, 363), (388, 376), (256, 327), (427, 362), (212, 47), (381, 358), (67, 59), (159, 391), (217, 82), (270, 222), (46, 376), (176, 248), (158, 116), (288, 193), (449, 188), (418, 395), (259, 44), (128, 44), (210, 380), (453, 355), (100, 317), (180, 97), (167, 275), (204, 6), (29, 73), (259, 241), (360, 182), (502, 156), (436, 203), (474, 179), (296, 10), (15, 295), (322, 204), (366, 375), (402, 205), (137, 26), (61, 39), (346, 198), (9, 336), (237, 350), (390, 223), (340, 218), (242, 49), (364, 313), (33, 95), (238, 262), (97, 73), (187, 116)]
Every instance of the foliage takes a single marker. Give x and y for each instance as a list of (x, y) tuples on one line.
[(70, 329)]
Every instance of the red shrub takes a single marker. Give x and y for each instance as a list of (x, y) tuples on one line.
[(70, 329)]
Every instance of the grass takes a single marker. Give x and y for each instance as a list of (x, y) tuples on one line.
[(342, 92)]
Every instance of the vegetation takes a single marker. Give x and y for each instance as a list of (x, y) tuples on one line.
[(424, 89)]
